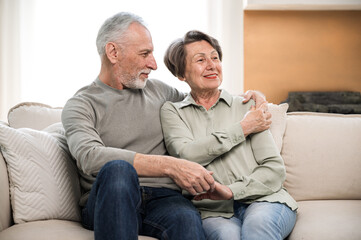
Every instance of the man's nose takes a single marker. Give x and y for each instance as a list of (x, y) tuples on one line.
[(152, 64)]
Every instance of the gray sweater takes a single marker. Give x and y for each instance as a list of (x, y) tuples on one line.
[(104, 124)]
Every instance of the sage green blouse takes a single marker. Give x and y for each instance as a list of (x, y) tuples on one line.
[(251, 167)]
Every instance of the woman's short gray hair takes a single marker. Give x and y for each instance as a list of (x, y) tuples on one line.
[(113, 29), (175, 55)]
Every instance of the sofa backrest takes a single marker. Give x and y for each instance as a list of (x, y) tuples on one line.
[(33, 115), (322, 154)]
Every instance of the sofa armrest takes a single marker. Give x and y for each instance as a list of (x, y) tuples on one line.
[(5, 213)]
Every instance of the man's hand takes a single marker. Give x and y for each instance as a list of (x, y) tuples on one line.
[(191, 176), (257, 96), (221, 192), (188, 175), (256, 120)]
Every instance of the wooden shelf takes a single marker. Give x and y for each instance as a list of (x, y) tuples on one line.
[(307, 5)]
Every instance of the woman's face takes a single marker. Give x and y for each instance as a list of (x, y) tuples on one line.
[(203, 67)]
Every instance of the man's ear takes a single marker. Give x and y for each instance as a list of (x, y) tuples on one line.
[(112, 52)]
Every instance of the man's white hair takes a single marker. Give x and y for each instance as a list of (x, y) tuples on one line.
[(113, 29)]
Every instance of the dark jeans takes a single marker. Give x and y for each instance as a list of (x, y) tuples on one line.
[(118, 208)]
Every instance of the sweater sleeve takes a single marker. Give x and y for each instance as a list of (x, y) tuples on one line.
[(266, 178), (85, 144), (180, 142)]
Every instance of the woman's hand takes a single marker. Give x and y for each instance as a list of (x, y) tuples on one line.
[(256, 120), (257, 96), (221, 192)]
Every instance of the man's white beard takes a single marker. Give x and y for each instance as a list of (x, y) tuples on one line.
[(136, 83)]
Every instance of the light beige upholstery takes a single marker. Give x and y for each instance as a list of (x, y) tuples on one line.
[(50, 230), (322, 154), (328, 220), (33, 115), (36, 116), (46, 230), (5, 209), (44, 180)]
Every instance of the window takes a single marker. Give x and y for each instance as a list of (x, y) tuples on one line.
[(58, 52), (48, 52)]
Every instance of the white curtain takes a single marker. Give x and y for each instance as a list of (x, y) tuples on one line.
[(29, 73), (9, 55), (225, 20)]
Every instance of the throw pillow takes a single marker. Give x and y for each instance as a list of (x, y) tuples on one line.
[(278, 126), (43, 178)]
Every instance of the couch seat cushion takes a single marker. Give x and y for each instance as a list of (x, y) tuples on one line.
[(50, 230), (45, 230), (328, 219)]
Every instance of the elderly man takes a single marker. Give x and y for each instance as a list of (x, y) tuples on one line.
[(131, 186)]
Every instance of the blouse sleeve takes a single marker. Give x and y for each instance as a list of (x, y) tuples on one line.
[(268, 177)]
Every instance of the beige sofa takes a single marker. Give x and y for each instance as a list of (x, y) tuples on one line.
[(322, 153)]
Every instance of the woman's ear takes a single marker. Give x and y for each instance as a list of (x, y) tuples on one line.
[(112, 52), (181, 78)]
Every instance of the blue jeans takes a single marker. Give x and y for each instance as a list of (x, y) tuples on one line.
[(259, 220), (118, 208)]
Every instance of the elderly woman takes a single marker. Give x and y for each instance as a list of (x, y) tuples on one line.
[(249, 200)]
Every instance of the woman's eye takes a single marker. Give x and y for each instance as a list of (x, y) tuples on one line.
[(200, 60)]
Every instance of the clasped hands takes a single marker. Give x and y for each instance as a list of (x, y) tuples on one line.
[(199, 182)]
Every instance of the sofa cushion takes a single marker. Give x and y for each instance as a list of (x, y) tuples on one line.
[(322, 154), (33, 115), (278, 119), (51, 230), (328, 219), (45, 230), (43, 177), (5, 212)]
